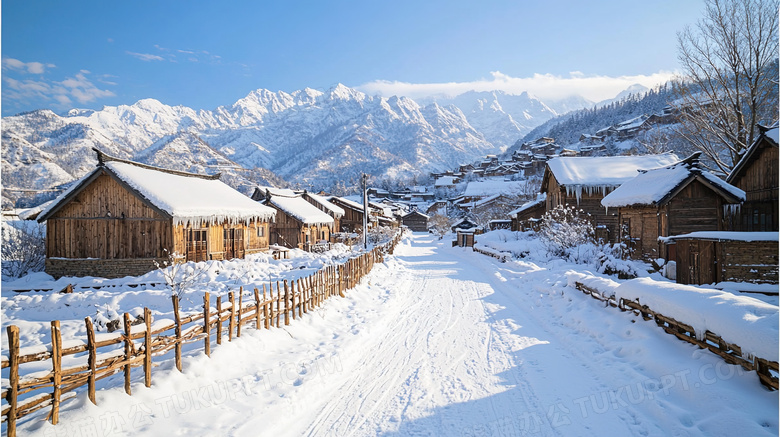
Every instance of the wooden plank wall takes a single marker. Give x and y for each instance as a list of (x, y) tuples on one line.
[(695, 208), (759, 180), (107, 221)]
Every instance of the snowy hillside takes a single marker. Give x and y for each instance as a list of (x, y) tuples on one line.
[(633, 102), (503, 118)]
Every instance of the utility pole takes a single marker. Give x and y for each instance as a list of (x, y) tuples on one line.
[(364, 186)]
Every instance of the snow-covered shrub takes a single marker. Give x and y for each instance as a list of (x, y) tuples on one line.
[(108, 319), (564, 232), (180, 275), (380, 234), (611, 262), (23, 248)]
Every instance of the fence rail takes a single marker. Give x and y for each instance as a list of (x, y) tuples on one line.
[(731, 353), (272, 306)]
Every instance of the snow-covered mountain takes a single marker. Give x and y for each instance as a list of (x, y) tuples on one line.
[(503, 118), (308, 137)]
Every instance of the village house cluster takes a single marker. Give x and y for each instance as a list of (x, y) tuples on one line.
[(123, 216)]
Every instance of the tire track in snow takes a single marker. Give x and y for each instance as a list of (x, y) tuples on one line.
[(444, 353)]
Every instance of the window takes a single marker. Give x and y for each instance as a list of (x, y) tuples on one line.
[(260, 231)]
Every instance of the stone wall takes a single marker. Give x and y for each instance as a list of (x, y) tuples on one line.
[(104, 268)]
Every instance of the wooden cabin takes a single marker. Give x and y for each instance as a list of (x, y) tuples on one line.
[(583, 181), (123, 216), (757, 174), (416, 221), (324, 205), (673, 200), (713, 257), (529, 215), (352, 221), (299, 224)]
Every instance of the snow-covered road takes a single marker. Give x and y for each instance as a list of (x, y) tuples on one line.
[(443, 341)]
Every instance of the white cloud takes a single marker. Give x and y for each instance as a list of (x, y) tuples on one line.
[(28, 67), (544, 86), (61, 94), (146, 56)]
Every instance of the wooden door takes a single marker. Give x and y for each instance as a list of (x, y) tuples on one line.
[(197, 247), (234, 243)]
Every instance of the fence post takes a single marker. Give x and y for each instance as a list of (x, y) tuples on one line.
[(292, 295), (257, 307), (91, 359), (148, 348), (13, 377), (206, 324), (128, 352), (219, 319), (278, 304), (56, 364), (265, 310), (286, 304), (177, 331), (232, 323), (240, 306)]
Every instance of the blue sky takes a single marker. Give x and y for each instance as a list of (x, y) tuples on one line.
[(88, 54)]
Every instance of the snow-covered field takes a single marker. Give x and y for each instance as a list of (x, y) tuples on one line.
[(435, 341)]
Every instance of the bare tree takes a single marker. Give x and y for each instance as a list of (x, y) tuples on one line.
[(439, 224), (729, 61), (23, 248)]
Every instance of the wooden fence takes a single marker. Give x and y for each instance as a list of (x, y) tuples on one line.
[(276, 304), (731, 353)]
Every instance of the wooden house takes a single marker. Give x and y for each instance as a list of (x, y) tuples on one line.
[(720, 256), (327, 207), (352, 221), (416, 221), (673, 200), (757, 174), (298, 223), (583, 181), (465, 231), (529, 215), (123, 216)]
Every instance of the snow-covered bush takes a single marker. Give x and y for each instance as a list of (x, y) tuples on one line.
[(611, 262), (380, 234), (180, 275), (23, 248), (564, 231)]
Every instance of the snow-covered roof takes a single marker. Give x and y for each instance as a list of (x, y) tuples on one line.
[(187, 198), (302, 210), (654, 187), (444, 181), (336, 210), (415, 212), (770, 134), (491, 187), (278, 191), (609, 171), (540, 198), (726, 236)]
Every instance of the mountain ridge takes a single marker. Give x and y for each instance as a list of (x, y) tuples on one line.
[(308, 137)]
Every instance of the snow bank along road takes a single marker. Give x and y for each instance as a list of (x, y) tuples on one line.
[(443, 341)]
